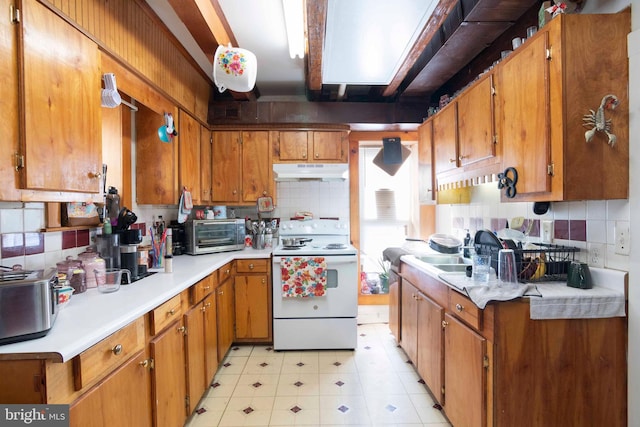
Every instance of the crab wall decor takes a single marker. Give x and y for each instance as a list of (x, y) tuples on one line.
[(598, 122)]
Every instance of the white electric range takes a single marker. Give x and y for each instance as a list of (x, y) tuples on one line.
[(316, 322)]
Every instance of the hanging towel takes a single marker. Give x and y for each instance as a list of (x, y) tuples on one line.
[(303, 277)]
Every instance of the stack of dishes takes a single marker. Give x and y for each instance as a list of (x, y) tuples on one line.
[(385, 204)]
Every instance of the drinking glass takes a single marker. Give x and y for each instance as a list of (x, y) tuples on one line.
[(481, 268), (507, 271)]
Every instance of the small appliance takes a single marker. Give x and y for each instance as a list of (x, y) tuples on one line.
[(206, 236), (28, 304)]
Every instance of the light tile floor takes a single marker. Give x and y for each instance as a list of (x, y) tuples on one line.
[(373, 385)]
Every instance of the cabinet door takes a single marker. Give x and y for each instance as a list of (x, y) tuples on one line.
[(430, 345), (475, 123), (256, 166), (61, 92), (122, 399), (156, 165), (205, 165), (523, 112), (409, 320), (224, 309), (210, 337), (226, 166), (445, 139), (292, 145), (168, 377), (329, 146), (189, 157), (394, 307), (464, 374), (425, 163), (252, 307), (195, 347)]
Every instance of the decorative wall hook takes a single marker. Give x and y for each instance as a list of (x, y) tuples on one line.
[(508, 182), (598, 122)]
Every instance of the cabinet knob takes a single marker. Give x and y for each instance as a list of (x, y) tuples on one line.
[(221, 293), (117, 349), (203, 309), (207, 305), (95, 175), (206, 288), (182, 329), (251, 266), (463, 157), (235, 192), (452, 160), (264, 281), (445, 324), (147, 363), (227, 271), (317, 155), (171, 312), (459, 307)]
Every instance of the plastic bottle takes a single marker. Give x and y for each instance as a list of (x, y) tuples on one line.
[(106, 226), (467, 241)]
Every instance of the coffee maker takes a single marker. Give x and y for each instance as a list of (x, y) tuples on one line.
[(129, 241)]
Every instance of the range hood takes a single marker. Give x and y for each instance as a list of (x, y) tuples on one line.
[(310, 171)]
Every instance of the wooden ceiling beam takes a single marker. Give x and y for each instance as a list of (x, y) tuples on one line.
[(316, 24), (432, 26), (209, 27)]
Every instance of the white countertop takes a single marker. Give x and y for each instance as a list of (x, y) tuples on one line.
[(92, 316), (549, 300)]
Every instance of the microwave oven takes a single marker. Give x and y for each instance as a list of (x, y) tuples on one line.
[(207, 236)]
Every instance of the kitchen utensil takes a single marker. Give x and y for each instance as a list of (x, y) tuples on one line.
[(444, 243), (295, 242), (110, 279), (481, 268), (507, 270), (579, 275)]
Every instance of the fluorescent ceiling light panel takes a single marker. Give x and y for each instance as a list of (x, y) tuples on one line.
[(366, 41), (294, 21)]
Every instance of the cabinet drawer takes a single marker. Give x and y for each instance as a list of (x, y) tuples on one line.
[(203, 288), (465, 309), (104, 357), (165, 314), (252, 265), (225, 272)]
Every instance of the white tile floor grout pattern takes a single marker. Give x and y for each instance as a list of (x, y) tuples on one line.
[(373, 385)]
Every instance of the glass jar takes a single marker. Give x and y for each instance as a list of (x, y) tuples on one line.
[(91, 262), (72, 271)]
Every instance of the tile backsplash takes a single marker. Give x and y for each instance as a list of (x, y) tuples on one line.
[(582, 224)]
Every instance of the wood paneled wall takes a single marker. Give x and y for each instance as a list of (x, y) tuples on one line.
[(131, 33)]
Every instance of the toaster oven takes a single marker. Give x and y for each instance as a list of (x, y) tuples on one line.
[(28, 304), (206, 236)]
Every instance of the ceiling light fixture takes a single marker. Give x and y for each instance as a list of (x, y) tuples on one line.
[(294, 21)]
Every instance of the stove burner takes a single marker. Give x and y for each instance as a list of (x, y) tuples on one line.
[(336, 246), (292, 248)]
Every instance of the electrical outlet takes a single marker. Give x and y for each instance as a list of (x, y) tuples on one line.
[(621, 232), (546, 234), (596, 254)]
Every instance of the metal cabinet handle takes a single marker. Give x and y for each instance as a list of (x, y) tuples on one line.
[(117, 349), (264, 281), (206, 288), (221, 293), (445, 324), (182, 329), (147, 363), (459, 307), (171, 312), (207, 305), (463, 157), (251, 266), (95, 175), (317, 155), (203, 309), (452, 160)]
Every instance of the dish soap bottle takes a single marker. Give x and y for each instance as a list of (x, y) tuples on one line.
[(467, 241)]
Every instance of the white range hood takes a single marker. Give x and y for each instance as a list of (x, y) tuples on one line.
[(310, 171)]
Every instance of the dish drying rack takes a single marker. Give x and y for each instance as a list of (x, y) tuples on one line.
[(556, 258)]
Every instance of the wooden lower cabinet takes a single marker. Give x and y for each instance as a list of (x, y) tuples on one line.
[(122, 399), (252, 287), (211, 359), (498, 367), (224, 313), (464, 374), (168, 384), (195, 354)]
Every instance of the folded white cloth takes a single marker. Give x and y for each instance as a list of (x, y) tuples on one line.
[(481, 294), (560, 301)]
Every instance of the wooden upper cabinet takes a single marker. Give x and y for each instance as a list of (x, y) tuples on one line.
[(292, 145), (205, 164), (445, 139), (425, 162), (524, 115), (476, 129), (330, 146), (257, 171), (541, 122), (189, 157), (226, 164), (298, 146), (156, 161), (61, 82)]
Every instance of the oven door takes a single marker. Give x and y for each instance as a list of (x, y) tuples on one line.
[(341, 295)]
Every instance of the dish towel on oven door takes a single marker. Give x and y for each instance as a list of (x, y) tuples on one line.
[(303, 277)]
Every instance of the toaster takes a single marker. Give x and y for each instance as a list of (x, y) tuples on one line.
[(28, 304)]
